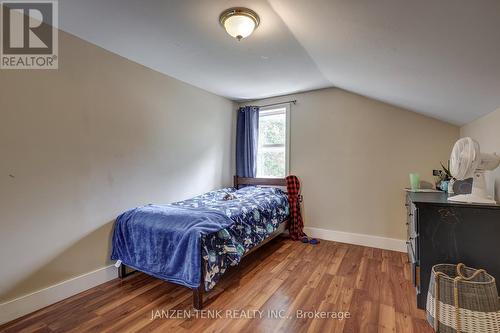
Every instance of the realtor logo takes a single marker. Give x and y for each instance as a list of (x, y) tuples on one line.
[(29, 35)]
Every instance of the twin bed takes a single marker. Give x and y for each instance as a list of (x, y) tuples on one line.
[(193, 242)]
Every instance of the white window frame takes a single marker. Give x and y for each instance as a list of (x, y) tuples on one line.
[(285, 106)]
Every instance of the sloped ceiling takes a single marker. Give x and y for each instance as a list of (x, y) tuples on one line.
[(439, 58)]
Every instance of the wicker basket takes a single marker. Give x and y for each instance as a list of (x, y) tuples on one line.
[(467, 300)]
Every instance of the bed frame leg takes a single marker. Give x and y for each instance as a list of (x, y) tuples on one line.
[(198, 298), (122, 271)]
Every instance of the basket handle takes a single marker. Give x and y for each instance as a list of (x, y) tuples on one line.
[(460, 276)]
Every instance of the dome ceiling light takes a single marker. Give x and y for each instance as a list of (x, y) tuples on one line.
[(239, 22)]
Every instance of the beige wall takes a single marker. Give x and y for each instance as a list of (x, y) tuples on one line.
[(353, 156), (83, 143), (486, 131)]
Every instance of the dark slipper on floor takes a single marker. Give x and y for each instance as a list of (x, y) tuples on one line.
[(304, 239), (314, 241)]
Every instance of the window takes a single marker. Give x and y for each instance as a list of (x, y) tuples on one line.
[(273, 151)]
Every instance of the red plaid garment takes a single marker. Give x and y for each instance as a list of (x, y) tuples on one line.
[(296, 225)]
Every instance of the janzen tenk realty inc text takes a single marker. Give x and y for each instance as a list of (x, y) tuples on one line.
[(247, 314)]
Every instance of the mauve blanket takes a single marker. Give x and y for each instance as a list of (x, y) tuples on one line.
[(164, 240)]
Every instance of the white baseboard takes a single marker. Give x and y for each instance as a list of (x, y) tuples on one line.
[(23, 305), (358, 239)]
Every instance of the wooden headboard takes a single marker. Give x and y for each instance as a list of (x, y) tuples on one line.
[(258, 181)]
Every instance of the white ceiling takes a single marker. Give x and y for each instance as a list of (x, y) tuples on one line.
[(439, 58)]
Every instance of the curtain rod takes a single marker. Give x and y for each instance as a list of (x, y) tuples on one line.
[(294, 101)]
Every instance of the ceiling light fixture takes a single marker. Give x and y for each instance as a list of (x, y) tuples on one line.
[(239, 22)]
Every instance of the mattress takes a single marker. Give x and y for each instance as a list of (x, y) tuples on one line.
[(167, 241)]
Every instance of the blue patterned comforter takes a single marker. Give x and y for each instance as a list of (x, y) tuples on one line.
[(165, 240), (256, 211)]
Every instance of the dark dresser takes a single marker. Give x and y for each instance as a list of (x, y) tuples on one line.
[(443, 232)]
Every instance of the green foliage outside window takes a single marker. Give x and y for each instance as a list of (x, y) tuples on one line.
[(273, 164), (272, 131), (272, 139)]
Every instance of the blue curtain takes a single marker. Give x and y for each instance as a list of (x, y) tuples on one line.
[(247, 135)]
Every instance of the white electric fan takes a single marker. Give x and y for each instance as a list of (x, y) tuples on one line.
[(467, 161)]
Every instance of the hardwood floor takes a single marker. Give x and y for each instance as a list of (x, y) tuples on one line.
[(372, 285)]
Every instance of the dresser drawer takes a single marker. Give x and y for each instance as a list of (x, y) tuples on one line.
[(414, 267), (411, 220), (412, 231), (413, 243)]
